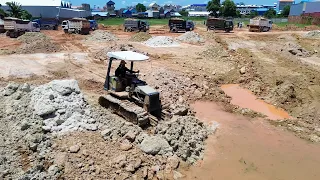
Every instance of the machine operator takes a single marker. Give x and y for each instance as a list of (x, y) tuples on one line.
[(121, 73)]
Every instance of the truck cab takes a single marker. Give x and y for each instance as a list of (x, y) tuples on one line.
[(228, 25), (93, 25), (64, 25), (189, 25), (35, 27)]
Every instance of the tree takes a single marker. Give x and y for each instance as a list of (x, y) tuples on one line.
[(271, 13), (253, 14), (15, 9), (184, 13), (228, 9), (2, 12), (213, 7), (286, 11), (26, 15), (140, 7), (238, 14)]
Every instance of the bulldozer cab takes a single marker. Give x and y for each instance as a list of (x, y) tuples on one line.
[(112, 82)]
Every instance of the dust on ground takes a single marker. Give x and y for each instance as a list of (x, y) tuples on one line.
[(183, 74)]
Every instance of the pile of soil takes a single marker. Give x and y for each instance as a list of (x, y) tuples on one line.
[(161, 41), (286, 37), (101, 36), (140, 37), (190, 37), (35, 42), (296, 49)]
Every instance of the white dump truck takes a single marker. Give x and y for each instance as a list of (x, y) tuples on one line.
[(260, 24), (76, 25), (17, 27)]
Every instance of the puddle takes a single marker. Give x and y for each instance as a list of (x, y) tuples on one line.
[(246, 149), (245, 99)]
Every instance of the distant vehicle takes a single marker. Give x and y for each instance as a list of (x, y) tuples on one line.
[(177, 24), (47, 24), (260, 24), (2, 26), (93, 25), (16, 27), (76, 25), (135, 25), (219, 24)]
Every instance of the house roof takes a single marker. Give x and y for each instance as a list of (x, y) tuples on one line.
[(201, 5), (153, 5), (111, 3), (38, 2)]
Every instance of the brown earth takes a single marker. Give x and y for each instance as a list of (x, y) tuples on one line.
[(260, 62)]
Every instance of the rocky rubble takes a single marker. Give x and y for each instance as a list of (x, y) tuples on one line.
[(296, 49), (161, 41), (53, 133), (101, 36), (191, 37), (62, 106), (313, 34)]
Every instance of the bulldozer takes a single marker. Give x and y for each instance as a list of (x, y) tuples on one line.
[(134, 100)]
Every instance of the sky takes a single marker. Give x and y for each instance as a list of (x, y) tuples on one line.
[(125, 3)]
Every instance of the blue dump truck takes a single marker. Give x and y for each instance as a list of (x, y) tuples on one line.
[(47, 24), (93, 25)]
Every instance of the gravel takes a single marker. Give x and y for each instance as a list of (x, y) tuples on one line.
[(101, 36), (191, 37), (313, 34), (161, 41)]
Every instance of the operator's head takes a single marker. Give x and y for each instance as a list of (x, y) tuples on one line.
[(123, 63)]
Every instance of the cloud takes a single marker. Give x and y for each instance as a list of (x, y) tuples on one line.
[(123, 2)]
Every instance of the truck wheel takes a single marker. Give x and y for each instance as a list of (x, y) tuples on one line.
[(77, 31), (11, 34), (65, 31)]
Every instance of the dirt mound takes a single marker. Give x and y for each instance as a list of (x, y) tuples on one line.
[(190, 37), (50, 131), (102, 54), (140, 37), (296, 50), (35, 42), (313, 34), (161, 41), (101, 36)]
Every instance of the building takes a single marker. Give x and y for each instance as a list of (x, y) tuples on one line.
[(153, 10), (110, 8), (100, 15), (261, 9), (154, 7), (198, 7), (284, 3), (49, 9), (304, 8), (198, 14)]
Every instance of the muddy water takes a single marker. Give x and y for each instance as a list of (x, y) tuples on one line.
[(252, 149), (245, 99)]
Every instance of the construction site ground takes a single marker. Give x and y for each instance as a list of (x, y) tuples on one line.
[(280, 68)]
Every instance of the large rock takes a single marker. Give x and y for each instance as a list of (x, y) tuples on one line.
[(155, 145), (10, 89), (65, 87)]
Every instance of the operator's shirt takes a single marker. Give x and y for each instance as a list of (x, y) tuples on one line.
[(121, 71)]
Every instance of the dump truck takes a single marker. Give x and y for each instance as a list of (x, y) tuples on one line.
[(130, 97), (177, 24), (47, 24), (76, 25), (260, 24), (219, 24), (2, 26), (135, 25), (16, 27)]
